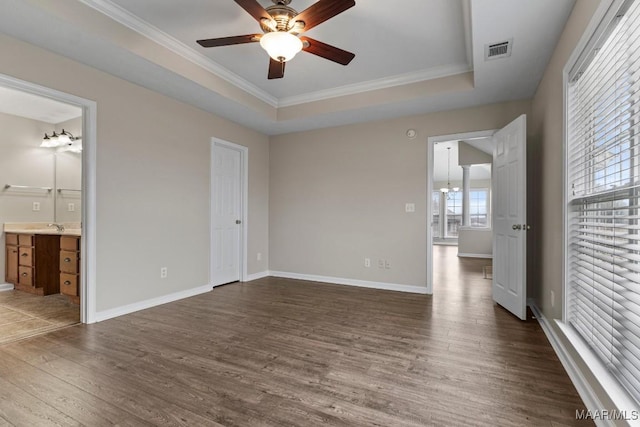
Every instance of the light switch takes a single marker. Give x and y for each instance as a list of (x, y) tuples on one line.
[(410, 207)]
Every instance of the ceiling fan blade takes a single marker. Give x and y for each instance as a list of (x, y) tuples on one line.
[(276, 69), (321, 11), (254, 9), (327, 51), (227, 41)]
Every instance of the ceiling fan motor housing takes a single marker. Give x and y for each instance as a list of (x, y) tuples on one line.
[(282, 15)]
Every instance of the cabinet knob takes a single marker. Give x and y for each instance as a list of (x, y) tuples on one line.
[(66, 282), (24, 274), (67, 260)]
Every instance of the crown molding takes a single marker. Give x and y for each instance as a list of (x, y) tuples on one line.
[(151, 32), (377, 84)]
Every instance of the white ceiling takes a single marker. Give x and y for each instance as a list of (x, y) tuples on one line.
[(396, 44), (23, 104), (408, 40)]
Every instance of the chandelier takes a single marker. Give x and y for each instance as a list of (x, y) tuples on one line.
[(446, 190)]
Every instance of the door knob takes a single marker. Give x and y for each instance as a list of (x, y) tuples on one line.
[(516, 226), (238, 221)]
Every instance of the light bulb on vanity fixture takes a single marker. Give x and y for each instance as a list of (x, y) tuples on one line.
[(64, 141)]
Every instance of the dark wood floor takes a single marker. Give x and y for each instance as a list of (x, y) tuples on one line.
[(278, 352)]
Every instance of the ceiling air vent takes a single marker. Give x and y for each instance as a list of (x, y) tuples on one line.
[(498, 50)]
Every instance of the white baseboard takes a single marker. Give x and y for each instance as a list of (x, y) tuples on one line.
[(143, 305), (6, 287), (352, 282), (466, 255), (257, 276), (586, 392)]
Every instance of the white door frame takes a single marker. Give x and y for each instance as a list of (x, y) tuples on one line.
[(431, 142), (88, 241), (244, 203)]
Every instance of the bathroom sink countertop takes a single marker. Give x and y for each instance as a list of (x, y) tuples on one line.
[(70, 228)]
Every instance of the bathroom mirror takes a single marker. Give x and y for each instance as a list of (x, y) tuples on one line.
[(38, 184)]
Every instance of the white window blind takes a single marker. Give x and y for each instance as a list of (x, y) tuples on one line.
[(603, 158)]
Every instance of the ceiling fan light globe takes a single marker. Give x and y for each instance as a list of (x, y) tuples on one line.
[(280, 45), (444, 190)]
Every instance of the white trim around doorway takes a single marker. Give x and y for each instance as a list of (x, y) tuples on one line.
[(89, 141), (244, 186)]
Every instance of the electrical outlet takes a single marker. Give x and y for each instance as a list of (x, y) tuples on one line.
[(259, 256), (387, 264), (36, 206), (410, 207), (71, 207), (553, 299), (367, 262), (380, 263), (163, 273)]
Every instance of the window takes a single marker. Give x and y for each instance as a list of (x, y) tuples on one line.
[(454, 212), (435, 207), (479, 207), (603, 159)]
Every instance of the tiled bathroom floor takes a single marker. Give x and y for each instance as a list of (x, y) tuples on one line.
[(23, 315)]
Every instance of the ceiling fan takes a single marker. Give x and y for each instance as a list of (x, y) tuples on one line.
[(282, 27)]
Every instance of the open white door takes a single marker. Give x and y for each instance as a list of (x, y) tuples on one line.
[(510, 217), (226, 207)]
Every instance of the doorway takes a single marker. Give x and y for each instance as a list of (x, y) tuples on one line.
[(449, 215), (229, 198), (47, 203), (508, 209)]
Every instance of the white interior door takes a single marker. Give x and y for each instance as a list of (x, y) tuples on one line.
[(510, 217), (226, 206)]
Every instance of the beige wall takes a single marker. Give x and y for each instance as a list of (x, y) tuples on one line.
[(545, 183), (152, 179), (338, 195), (475, 241)]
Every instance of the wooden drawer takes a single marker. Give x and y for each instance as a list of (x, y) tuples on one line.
[(25, 276), (69, 262), (69, 243), (25, 239), (11, 239), (11, 265), (25, 256), (69, 284)]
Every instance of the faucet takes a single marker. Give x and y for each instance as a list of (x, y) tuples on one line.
[(59, 227)]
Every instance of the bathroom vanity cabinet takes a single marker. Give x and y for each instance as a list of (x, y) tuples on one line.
[(32, 262), (44, 263), (70, 267)]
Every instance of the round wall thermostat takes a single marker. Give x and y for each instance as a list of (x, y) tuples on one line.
[(411, 133)]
